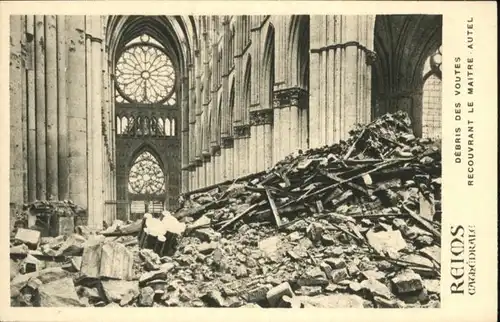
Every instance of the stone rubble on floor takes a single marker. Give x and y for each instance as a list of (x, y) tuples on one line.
[(334, 227)]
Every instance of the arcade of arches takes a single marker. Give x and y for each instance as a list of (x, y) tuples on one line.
[(121, 114)]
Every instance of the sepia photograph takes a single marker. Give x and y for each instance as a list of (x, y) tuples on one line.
[(229, 161)]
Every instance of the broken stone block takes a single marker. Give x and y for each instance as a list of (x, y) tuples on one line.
[(14, 269), (89, 292), (72, 246), (376, 275), (115, 290), (270, 246), (29, 237), (206, 235), (352, 269), (427, 207), (407, 281), (295, 236), (116, 261), (241, 271), (203, 221), (376, 288), (331, 288), (417, 259), (355, 286), (314, 232), (76, 263), (275, 295), (257, 294), (433, 252), (91, 257), (335, 263), (432, 286), (146, 297), (207, 248), (334, 301), (46, 275), (327, 240), (385, 303), (338, 275), (59, 293), (31, 264), (335, 251), (162, 274), (19, 250), (386, 241), (424, 240), (309, 290), (213, 299), (327, 269), (151, 259)]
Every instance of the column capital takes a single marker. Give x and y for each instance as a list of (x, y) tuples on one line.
[(206, 155), (287, 97), (261, 117), (371, 56), (215, 149), (227, 142), (241, 131)]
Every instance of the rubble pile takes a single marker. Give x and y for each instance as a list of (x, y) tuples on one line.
[(50, 217), (355, 224)]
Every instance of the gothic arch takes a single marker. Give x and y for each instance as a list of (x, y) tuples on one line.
[(146, 147), (231, 102), (175, 35), (268, 68), (247, 86), (298, 51), (402, 43)]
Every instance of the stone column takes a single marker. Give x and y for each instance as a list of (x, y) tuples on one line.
[(77, 110), (51, 106), (261, 122), (340, 75), (62, 139), (288, 105), (31, 106), (198, 124), (192, 126), (16, 105), (185, 135), (96, 213), (41, 111)]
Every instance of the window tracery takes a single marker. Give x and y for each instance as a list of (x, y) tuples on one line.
[(146, 175), (145, 74)]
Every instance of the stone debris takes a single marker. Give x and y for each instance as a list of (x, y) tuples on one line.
[(334, 227)]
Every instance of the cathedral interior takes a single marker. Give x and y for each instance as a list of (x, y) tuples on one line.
[(122, 114)]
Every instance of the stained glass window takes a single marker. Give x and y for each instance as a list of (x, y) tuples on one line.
[(144, 73), (146, 176)]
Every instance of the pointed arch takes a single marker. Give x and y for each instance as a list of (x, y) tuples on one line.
[(403, 43), (145, 147), (267, 78), (247, 81), (219, 119), (146, 173), (298, 51), (231, 103)]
